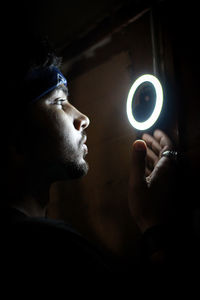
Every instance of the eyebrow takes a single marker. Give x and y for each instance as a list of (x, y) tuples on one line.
[(61, 87), (64, 89)]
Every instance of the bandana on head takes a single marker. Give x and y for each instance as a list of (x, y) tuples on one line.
[(41, 81)]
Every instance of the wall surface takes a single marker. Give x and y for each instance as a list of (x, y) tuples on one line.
[(97, 204), (99, 84)]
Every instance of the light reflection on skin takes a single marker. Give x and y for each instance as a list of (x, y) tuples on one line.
[(59, 130)]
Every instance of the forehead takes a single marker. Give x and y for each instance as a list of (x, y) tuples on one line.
[(60, 91)]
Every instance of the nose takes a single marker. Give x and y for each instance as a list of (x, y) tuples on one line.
[(81, 122)]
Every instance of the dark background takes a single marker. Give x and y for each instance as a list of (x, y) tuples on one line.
[(106, 45)]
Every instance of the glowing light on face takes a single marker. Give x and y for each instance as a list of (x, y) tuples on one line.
[(158, 103)]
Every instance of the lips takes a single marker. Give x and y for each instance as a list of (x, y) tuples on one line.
[(84, 146), (84, 139)]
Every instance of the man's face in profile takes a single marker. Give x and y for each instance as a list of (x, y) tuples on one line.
[(57, 137)]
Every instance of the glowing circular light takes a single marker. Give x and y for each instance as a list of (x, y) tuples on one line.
[(158, 103)]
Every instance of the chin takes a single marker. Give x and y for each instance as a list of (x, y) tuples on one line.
[(67, 171), (79, 170)]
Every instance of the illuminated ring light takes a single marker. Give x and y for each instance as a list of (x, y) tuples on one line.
[(158, 106)]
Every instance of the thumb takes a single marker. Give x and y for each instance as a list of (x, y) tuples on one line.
[(137, 172)]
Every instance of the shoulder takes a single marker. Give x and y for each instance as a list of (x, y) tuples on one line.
[(50, 242)]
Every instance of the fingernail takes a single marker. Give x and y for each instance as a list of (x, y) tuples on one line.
[(139, 145)]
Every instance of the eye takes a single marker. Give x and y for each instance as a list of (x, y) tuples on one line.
[(59, 101)]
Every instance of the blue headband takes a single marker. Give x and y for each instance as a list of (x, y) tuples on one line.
[(41, 81)]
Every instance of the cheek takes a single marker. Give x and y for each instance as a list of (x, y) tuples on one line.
[(54, 134), (61, 127), (59, 132), (49, 123)]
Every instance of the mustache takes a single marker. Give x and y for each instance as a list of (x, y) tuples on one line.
[(83, 138)]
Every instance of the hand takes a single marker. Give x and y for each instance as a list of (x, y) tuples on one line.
[(156, 145), (151, 180)]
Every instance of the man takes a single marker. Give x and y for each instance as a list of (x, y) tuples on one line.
[(46, 142)]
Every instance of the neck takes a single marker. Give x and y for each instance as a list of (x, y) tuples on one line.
[(28, 195), (33, 205)]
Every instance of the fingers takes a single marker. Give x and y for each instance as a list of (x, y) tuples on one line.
[(163, 172), (152, 143), (153, 152), (137, 174), (162, 139), (156, 145), (137, 191), (159, 142), (137, 181), (147, 172), (151, 159)]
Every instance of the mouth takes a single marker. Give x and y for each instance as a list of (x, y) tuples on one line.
[(84, 139), (85, 149), (84, 146)]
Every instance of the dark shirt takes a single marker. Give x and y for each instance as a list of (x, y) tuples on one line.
[(36, 243), (45, 244)]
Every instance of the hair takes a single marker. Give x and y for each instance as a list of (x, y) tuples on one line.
[(20, 57), (34, 52)]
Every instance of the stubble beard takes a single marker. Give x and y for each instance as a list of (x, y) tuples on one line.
[(67, 168), (75, 170), (74, 162)]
